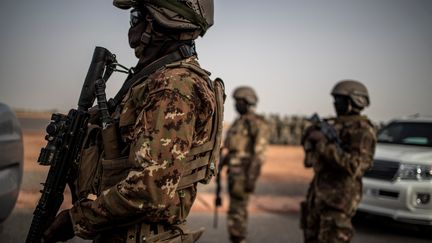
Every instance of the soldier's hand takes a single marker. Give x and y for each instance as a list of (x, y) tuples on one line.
[(60, 230), (316, 136)]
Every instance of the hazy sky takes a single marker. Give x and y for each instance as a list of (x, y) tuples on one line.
[(291, 52)]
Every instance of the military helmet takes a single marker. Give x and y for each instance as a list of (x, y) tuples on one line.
[(353, 89), (186, 15), (246, 93)]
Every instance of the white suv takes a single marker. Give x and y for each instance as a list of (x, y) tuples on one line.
[(399, 185)]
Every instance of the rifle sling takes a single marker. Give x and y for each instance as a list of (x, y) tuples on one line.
[(183, 52)]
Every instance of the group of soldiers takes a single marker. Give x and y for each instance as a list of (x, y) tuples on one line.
[(287, 130), (338, 149), (169, 126)]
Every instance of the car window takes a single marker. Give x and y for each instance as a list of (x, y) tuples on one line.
[(410, 133)]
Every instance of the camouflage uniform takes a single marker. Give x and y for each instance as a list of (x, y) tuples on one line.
[(162, 119), (246, 142), (336, 188), (169, 124), (273, 132)]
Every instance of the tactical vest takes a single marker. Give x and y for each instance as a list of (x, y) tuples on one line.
[(199, 165), (240, 138), (201, 161)]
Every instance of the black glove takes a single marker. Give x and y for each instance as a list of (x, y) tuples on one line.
[(60, 230), (316, 136)]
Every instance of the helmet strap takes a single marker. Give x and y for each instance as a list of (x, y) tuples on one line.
[(146, 36), (354, 109)]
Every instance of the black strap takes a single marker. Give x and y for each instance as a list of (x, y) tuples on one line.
[(183, 52)]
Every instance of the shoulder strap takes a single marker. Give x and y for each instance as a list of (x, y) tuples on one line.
[(183, 52), (194, 67)]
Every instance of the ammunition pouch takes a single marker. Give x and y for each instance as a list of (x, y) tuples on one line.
[(95, 173), (88, 183), (113, 171)]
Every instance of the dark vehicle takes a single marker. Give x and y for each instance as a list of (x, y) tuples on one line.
[(11, 160)]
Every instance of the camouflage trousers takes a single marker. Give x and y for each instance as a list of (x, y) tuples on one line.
[(239, 199), (325, 225)]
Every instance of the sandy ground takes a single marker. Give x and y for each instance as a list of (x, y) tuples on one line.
[(282, 167)]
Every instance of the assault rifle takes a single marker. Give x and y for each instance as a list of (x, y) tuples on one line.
[(65, 133), (328, 130), (65, 136)]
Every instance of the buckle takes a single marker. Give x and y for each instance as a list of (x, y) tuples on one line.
[(186, 51)]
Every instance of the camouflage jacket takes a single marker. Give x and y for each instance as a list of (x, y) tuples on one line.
[(161, 119), (247, 138), (337, 181)]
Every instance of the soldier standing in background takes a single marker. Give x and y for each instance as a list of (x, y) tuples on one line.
[(169, 127), (285, 134), (339, 165), (273, 132), (244, 148)]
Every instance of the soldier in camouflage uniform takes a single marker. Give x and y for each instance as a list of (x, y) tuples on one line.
[(273, 133), (285, 134), (169, 126), (245, 144), (336, 188)]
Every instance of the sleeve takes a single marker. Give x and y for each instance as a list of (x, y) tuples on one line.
[(261, 140), (164, 132), (357, 158)]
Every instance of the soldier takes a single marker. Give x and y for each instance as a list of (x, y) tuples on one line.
[(339, 165), (169, 126), (245, 145), (285, 132)]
